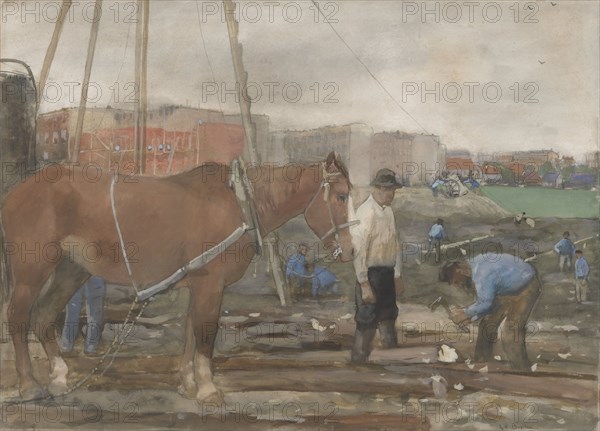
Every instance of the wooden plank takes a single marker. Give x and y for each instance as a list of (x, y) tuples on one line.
[(326, 380)]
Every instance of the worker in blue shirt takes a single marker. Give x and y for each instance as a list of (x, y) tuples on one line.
[(505, 287), (436, 186), (322, 280), (296, 269), (582, 272), (436, 234), (565, 250)]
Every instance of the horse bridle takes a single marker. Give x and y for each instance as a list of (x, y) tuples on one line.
[(335, 228)]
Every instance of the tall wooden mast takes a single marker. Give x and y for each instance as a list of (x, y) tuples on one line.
[(250, 133), (86, 79)]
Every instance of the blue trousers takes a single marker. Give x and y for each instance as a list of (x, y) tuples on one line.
[(93, 292)]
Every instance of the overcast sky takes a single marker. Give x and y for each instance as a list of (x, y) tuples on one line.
[(543, 53)]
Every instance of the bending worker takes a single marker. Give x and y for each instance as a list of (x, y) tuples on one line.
[(506, 287)]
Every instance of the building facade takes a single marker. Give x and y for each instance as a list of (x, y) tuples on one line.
[(416, 159), (351, 142)]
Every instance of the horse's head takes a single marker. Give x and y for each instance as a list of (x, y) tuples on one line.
[(327, 213)]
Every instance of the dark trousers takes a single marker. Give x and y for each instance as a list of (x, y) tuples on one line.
[(437, 243), (516, 309), (368, 316), (382, 314)]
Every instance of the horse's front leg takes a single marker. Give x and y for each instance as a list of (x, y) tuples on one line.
[(205, 305)]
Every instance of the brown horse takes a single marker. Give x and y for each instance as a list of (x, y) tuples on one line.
[(59, 229)]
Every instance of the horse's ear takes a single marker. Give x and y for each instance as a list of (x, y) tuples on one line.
[(331, 158)]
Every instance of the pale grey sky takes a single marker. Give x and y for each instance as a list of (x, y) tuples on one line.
[(475, 50)]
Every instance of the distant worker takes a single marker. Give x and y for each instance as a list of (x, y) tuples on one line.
[(296, 269), (437, 186), (475, 185), (323, 280), (582, 272), (520, 218), (506, 287), (93, 292), (436, 234), (565, 249)]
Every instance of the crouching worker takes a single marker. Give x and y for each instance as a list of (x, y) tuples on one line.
[(323, 280), (506, 287)]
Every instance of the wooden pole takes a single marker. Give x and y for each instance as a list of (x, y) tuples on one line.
[(86, 79), (139, 35), (241, 75), (250, 133), (51, 51), (144, 87)]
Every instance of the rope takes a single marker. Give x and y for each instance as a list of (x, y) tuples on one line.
[(118, 226), (367, 68)]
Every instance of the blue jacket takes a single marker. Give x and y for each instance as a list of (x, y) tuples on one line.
[(497, 275), (322, 278), (582, 269), (437, 232), (295, 266), (565, 247)]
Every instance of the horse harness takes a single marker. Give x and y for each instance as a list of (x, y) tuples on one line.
[(244, 195)]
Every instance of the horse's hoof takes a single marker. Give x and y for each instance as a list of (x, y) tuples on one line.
[(33, 393), (187, 391), (57, 387), (213, 398)]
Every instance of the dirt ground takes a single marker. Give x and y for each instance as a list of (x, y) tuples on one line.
[(287, 367)]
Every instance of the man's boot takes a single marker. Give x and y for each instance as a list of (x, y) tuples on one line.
[(363, 340), (387, 332)]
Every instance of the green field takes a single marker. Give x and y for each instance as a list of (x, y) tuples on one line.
[(543, 202)]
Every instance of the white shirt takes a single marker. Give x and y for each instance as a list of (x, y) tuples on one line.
[(374, 239)]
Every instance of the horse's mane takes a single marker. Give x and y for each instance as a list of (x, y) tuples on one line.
[(339, 165)]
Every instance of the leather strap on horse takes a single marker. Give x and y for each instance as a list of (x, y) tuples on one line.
[(244, 194), (193, 265)]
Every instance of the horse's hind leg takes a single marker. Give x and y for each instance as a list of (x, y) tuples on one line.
[(28, 283), (68, 277)]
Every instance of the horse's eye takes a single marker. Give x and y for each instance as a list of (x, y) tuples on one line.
[(342, 198)]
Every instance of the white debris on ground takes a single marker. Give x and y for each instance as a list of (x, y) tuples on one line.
[(254, 314), (459, 386), (534, 367), (567, 328), (316, 325), (564, 355), (484, 369), (346, 316), (447, 354)]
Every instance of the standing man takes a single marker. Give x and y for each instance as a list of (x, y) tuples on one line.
[(377, 264), (436, 234), (296, 269), (565, 250), (582, 272), (93, 293), (506, 287)]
